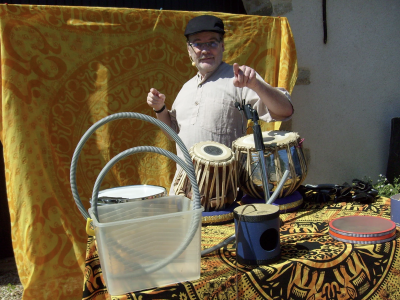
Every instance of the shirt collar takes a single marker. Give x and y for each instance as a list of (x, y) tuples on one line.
[(208, 75)]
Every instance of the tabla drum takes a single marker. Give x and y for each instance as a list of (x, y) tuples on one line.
[(283, 151), (130, 193), (362, 229), (215, 169)]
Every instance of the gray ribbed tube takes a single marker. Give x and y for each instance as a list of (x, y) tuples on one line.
[(188, 167), (278, 188), (128, 115), (220, 245)]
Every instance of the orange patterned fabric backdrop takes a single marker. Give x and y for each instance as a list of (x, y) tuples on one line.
[(64, 68)]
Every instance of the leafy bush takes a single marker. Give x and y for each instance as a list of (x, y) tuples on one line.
[(385, 188)]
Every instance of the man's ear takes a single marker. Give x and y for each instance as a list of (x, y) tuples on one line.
[(223, 47), (188, 49)]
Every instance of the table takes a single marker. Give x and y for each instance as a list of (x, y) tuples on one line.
[(312, 264)]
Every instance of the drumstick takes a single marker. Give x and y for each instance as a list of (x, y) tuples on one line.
[(278, 188)]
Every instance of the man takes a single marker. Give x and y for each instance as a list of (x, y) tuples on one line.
[(204, 109)]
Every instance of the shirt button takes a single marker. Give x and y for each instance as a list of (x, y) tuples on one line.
[(197, 103)]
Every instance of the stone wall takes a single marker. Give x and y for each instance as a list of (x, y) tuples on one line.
[(267, 7)]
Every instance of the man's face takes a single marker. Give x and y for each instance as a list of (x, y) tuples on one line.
[(206, 58)]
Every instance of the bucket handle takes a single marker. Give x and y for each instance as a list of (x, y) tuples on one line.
[(126, 153), (131, 115)]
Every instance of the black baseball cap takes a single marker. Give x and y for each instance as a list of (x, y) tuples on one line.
[(204, 23)]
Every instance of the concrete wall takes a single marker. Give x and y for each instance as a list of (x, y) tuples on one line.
[(345, 111)]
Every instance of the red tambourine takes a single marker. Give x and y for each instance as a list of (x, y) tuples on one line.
[(362, 229)]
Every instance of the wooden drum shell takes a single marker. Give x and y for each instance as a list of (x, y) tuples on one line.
[(216, 178)]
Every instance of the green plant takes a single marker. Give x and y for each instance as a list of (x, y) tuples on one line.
[(10, 287), (385, 188)]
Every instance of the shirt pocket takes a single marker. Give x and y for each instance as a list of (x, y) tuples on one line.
[(220, 116)]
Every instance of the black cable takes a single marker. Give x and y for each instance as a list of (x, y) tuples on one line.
[(324, 21)]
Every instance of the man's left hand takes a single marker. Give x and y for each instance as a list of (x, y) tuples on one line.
[(244, 76)]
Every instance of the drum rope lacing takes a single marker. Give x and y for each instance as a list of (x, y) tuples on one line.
[(300, 143), (210, 184)]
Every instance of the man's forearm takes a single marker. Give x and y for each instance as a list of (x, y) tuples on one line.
[(165, 117), (277, 103)]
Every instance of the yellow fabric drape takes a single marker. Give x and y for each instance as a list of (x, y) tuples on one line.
[(64, 68)]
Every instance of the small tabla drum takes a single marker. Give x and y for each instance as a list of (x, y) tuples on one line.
[(283, 151), (130, 193), (215, 169), (362, 229)]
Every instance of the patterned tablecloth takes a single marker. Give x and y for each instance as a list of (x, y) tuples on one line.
[(312, 265)]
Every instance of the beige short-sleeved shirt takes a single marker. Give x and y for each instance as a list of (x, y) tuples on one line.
[(204, 110)]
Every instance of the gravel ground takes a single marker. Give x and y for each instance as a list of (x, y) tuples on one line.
[(10, 286)]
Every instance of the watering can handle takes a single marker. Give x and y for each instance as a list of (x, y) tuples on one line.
[(132, 115)]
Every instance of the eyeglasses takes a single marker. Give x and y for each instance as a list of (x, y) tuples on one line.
[(201, 46)]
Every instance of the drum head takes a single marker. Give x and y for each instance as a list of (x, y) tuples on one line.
[(362, 229), (212, 151), (257, 210), (271, 138), (286, 204), (130, 193)]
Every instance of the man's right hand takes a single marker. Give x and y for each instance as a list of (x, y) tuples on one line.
[(155, 99)]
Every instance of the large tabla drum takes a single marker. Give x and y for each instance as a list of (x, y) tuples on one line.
[(283, 152), (215, 169)]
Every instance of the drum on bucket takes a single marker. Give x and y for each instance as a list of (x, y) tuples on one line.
[(257, 229), (282, 152), (286, 204), (215, 169), (362, 229), (130, 193)]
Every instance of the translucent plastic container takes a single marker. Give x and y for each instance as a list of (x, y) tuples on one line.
[(144, 244), (149, 243)]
